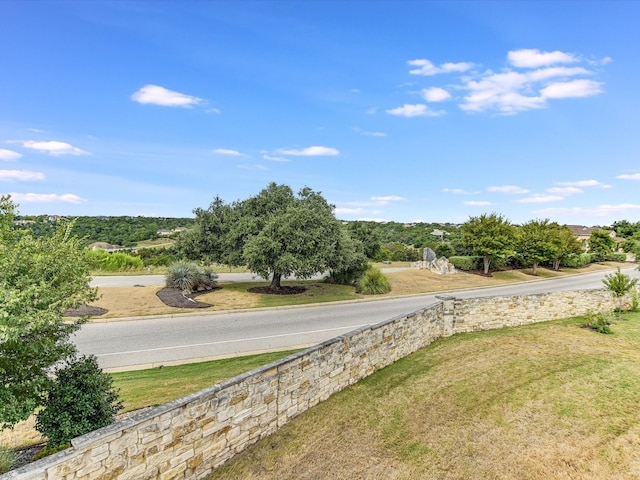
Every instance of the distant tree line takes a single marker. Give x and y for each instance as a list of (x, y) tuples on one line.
[(120, 230)]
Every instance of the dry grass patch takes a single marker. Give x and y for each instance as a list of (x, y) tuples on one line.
[(547, 401)]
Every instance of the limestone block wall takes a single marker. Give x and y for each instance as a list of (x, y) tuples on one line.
[(511, 311), (190, 437)]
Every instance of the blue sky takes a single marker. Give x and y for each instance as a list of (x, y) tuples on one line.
[(402, 111)]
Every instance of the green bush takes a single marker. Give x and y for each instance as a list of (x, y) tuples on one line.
[(577, 260), (81, 400), (599, 322), (7, 459), (113, 262), (615, 257), (466, 263), (190, 277), (373, 282)]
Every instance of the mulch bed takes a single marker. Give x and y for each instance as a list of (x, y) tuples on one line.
[(173, 297), (286, 290), (85, 310)]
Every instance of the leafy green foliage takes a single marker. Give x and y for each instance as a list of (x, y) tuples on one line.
[(81, 400), (599, 322), (535, 244), (113, 262), (190, 277), (7, 459), (488, 236), (373, 282), (466, 263), (601, 244), (619, 285), (118, 230), (40, 279), (574, 260)]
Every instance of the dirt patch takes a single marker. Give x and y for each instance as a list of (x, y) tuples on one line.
[(285, 290), (86, 311), (174, 297)]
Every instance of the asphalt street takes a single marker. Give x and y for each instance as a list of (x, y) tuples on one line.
[(154, 341)]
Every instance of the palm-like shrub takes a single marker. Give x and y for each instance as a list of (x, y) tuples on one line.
[(190, 277), (619, 285), (373, 282)]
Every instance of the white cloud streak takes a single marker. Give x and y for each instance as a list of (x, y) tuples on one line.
[(228, 152), (275, 159), (583, 183), (157, 95), (565, 190), (54, 148), (416, 110), (599, 211), (427, 68), (46, 198), (368, 133), (9, 155), (533, 58), (478, 203), (540, 198), (20, 176), (315, 151), (629, 176), (508, 189)]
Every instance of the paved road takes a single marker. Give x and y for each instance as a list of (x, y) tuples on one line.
[(143, 343)]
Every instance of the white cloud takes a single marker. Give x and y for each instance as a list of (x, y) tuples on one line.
[(156, 95), (575, 88), (8, 155), (533, 58), (629, 176), (477, 203), (213, 110), (46, 198), (388, 199), (275, 159), (583, 183), (565, 190), (315, 151), (227, 151), (599, 211), (435, 94), (419, 110), (349, 211), (540, 198), (458, 191), (54, 148), (20, 176), (509, 189), (427, 68), (368, 133)]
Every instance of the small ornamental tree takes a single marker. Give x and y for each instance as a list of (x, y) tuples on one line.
[(601, 244), (488, 236), (81, 399), (40, 279), (619, 285), (534, 243)]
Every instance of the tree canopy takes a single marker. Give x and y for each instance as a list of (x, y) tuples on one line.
[(40, 278), (275, 233), (488, 236)]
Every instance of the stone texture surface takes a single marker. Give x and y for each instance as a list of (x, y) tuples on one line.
[(190, 437)]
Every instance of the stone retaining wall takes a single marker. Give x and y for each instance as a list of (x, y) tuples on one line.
[(190, 437)]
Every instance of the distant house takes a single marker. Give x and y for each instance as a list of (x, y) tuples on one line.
[(438, 234), (168, 233), (106, 246), (583, 234)]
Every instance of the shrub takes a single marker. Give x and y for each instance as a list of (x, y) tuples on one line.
[(373, 282), (466, 263), (81, 399), (7, 459), (190, 277), (598, 322), (615, 257), (113, 262), (577, 260)]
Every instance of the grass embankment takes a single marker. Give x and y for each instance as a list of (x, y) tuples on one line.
[(142, 301), (545, 401)]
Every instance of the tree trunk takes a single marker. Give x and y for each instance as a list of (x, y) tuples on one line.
[(487, 260), (535, 268), (556, 265), (275, 282)]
